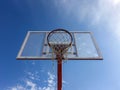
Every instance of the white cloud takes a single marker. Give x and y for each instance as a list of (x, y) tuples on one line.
[(116, 2), (51, 81), (29, 84), (33, 76), (96, 12), (17, 87), (64, 82), (109, 13)]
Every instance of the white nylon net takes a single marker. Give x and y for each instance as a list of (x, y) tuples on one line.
[(59, 41)]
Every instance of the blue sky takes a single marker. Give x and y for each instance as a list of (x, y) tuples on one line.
[(102, 17)]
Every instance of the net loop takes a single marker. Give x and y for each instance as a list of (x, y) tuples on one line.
[(60, 41)]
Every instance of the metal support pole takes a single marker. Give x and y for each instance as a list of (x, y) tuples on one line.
[(59, 74)]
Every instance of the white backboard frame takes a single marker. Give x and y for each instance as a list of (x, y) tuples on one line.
[(20, 57)]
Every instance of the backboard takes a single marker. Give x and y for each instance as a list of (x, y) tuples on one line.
[(35, 47)]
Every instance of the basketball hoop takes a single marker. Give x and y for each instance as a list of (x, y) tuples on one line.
[(63, 44), (60, 41)]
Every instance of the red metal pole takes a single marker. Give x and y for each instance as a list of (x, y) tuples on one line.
[(59, 74)]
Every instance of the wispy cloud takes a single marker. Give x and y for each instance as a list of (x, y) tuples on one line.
[(30, 84), (96, 12), (17, 87)]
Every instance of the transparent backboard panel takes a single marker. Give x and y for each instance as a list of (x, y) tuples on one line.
[(35, 47)]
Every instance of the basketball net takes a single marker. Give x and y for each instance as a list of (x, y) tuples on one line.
[(61, 51), (60, 42)]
